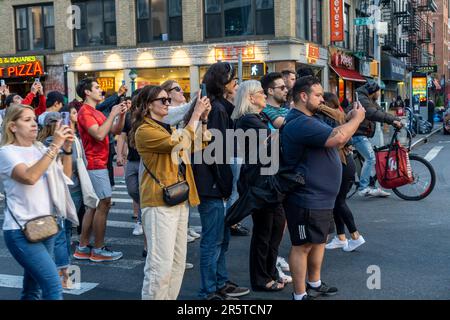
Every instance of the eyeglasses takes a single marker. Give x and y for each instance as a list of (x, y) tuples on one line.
[(177, 89), (163, 100), (281, 87)]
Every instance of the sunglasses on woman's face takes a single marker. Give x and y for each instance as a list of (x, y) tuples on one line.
[(163, 100), (177, 89)]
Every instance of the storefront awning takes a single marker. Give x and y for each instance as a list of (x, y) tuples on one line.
[(350, 75)]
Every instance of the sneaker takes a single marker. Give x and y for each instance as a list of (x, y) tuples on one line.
[(190, 238), (193, 234), (323, 290), (2, 196), (82, 253), (219, 297), (377, 192), (305, 297), (353, 244), (233, 290), (239, 230), (138, 231), (283, 277), (189, 266), (364, 192), (335, 243), (282, 263), (105, 254)]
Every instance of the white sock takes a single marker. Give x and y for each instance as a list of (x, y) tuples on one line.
[(315, 284), (299, 296)]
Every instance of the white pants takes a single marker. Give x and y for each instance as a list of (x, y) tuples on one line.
[(166, 232)]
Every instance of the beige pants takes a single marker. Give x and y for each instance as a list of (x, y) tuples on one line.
[(166, 232)]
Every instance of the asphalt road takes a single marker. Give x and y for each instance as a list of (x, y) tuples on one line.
[(408, 242)]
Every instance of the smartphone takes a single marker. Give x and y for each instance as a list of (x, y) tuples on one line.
[(204, 92), (123, 82), (2, 83), (37, 80), (356, 97), (65, 118)]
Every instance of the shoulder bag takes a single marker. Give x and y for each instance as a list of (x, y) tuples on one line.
[(174, 194)]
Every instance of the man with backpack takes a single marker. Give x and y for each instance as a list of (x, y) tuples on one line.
[(368, 95)]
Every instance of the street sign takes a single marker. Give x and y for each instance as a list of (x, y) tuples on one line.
[(426, 69), (364, 21)]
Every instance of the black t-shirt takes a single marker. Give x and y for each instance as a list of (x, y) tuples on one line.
[(133, 155), (164, 125)]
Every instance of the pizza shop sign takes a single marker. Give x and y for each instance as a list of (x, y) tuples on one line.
[(17, 67)]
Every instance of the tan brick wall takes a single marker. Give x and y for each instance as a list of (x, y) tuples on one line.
[(126, 23), (285, 20), (284, 65), (440, 18), (193, 30)]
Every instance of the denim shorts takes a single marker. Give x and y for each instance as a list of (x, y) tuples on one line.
[(101, 183)]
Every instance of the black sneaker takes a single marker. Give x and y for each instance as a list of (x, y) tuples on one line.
[(144, 253), (233, 290), (305, 297), (239, 230), (218, 296), (323, 290)]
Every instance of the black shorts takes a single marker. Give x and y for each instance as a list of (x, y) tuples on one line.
[(308, 225)]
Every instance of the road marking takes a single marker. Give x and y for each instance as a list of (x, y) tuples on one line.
[(120, 193), (120, 224), (433, 153), (126, 264), (122, 200), (120, 187), (16, 282)]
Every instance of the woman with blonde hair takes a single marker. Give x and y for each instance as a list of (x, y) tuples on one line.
[(268, 223), (164, 221), (25, 172)]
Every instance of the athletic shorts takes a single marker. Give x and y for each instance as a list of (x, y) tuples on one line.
[(308, 225), (100, 182)]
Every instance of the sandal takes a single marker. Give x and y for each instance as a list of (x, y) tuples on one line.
[(275, 286)]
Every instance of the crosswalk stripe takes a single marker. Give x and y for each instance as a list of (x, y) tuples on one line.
[(126, 264), (120, 224), (122, 200), (120, 193), (11, 281), (120, 187)]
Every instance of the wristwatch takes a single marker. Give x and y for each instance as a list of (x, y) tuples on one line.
[(205, 121), (68, 153)]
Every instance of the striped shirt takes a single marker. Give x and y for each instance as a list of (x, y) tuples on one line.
[(275, 112)]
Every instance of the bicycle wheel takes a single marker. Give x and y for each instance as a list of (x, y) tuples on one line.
[(424, 180)]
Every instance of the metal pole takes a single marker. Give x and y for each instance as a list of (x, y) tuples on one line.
[(240, 68)]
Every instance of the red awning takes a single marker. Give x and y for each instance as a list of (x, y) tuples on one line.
[(350, 75)]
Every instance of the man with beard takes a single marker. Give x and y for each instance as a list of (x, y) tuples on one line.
[(276, 92), (310, 148)]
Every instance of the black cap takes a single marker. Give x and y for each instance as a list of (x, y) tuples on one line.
[(53, 97), (372, 87)]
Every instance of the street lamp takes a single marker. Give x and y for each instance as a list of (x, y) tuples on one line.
[(133, 76)]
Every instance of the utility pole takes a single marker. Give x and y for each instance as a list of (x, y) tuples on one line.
[(240, 68)]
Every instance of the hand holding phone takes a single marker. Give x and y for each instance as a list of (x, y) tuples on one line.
[(2, 83), (203, 90), (65, 118)]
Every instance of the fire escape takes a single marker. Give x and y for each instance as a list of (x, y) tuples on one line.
[(409, 30)]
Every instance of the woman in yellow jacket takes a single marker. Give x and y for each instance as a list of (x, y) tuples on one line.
[(165, 227)]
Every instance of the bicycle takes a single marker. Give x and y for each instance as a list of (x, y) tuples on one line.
[(424, 176)]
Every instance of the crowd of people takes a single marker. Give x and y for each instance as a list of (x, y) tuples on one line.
[(159, 137)]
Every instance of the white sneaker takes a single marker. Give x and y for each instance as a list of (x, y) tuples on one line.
[(137, 231), (335, 243), (193, 234), (2, 196), (284, 277), (190, 238), (189, 266), (353, 244), (364, 192), (377, 192), (282, 263)]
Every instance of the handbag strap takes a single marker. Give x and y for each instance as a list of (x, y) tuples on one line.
[(180, 172), (10, 212)]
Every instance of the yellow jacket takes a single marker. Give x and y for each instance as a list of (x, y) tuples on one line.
[(155, 146)]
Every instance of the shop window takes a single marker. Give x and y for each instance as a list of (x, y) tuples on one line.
[(35, 28), (302, 29), (98, 23), (159, 20), (228, 18)]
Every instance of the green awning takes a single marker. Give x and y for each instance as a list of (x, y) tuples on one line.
[(382, 85)]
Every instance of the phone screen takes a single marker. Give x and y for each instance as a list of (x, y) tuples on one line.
[(123, 82), (356, 97), (37, 80), (2, 82)]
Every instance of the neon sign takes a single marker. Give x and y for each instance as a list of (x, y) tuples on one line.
[(15, 67)]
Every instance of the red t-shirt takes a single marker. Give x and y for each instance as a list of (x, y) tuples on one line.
[(97, 152)]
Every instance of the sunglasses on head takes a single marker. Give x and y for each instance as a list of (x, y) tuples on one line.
[(177, 89), (163, 100)]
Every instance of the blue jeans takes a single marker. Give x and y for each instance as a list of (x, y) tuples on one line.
[(364, 147), (213, 246), (41, 279), (64, 237)]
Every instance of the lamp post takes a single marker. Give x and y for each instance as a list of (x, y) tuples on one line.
[(133, 76)]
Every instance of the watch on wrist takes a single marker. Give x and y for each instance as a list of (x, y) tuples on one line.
[(204, 121)]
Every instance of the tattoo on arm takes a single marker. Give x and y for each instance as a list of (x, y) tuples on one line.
[(335, 132)]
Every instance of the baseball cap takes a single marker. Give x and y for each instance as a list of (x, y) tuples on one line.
[(54, 96), (51, 117), (372, 87)]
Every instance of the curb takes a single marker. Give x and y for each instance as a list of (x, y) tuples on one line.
[(425, 139)]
